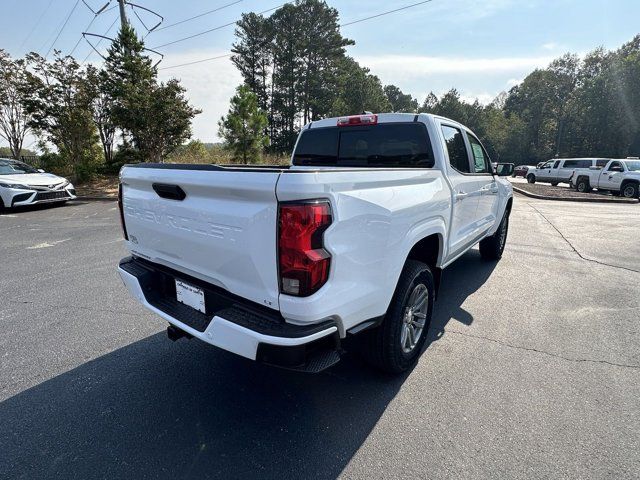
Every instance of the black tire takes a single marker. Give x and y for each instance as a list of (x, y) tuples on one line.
[(583, 185), (491, 248), (629, 190), (381, 346), (554, 184), (531, 178)]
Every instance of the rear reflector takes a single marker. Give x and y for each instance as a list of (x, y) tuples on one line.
[(304, 263), (121, 208), (368, 119)]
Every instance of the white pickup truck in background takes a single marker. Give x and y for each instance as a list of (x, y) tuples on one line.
[(562, 170), (620, 177), (280, 264)]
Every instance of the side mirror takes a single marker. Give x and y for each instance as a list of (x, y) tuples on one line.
[(40, 170), (504, 169)]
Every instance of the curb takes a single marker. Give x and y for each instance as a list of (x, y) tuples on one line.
[(564, 199)]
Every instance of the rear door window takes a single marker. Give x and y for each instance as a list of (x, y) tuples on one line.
[(458, 157), (481, 160), (403, 145)]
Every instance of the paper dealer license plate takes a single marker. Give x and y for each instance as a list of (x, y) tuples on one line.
[(190, 295)]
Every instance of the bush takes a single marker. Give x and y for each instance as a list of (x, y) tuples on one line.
[(55, 163), (125, 154)]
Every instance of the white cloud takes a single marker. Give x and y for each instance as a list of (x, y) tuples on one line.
[(550, 46), (483, 98), (209, 86), (413, 65)]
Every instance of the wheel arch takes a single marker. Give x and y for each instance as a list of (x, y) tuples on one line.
[(429, 250)]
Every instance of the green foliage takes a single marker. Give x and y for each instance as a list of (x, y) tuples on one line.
[(124, 154), (102, 106), (58, 99), (399, 101), (358, 91), (6, 152), (291, 61), (155, 115), (243, 127)]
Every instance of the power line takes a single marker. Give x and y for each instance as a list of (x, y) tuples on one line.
[(200, 15), (197, 61), (342, 25), (213, 29), (385, 13), (33, 29), (62, 28), (99, 41), (81, 37)]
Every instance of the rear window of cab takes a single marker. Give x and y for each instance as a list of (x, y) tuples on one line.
[(392, 145)]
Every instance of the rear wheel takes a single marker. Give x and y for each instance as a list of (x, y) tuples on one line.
[(491, 248), (396, 344), (630, 190), (583, 185), (531, 178), (554, 184)]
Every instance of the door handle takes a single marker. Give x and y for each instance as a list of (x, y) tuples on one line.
[(461, 196)]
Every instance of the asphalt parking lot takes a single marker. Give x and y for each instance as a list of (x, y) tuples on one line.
[(532, 369)]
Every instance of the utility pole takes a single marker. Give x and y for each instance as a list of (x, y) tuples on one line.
[(123, 14)]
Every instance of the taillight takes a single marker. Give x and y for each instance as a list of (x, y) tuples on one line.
[(304, 263), (121, 208), (354, 120)]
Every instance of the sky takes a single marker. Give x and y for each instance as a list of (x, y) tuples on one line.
[(480, 47)]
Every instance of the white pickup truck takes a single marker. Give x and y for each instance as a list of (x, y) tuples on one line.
[(280, 264), (620, 177)]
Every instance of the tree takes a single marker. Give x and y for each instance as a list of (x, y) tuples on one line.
[(58, 96), (399, 101), (252, 54), (243, 127), (14, 120), (157, 117), (102, 111), (359, 91), (165, 121), (291, 60)]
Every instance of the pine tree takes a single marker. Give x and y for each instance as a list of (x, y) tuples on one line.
[(243, 127)]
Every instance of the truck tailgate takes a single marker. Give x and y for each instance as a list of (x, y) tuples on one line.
[(223, 231)]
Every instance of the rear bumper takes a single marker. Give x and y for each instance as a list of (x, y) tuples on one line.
[(233, 324)]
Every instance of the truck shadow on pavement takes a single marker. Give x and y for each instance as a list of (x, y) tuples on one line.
[(155, 409), (459, 281)]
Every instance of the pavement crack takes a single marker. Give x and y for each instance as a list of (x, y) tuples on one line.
[(544, 352), (577, 252)]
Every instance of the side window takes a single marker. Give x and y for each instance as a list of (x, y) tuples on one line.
[(571, 164), (456, 148), (548, 165), (614, 165), (584, 163), (480, 158), (557, 164), (601, 163)]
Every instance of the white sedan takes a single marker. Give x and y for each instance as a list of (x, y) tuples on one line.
[(21, 184)]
